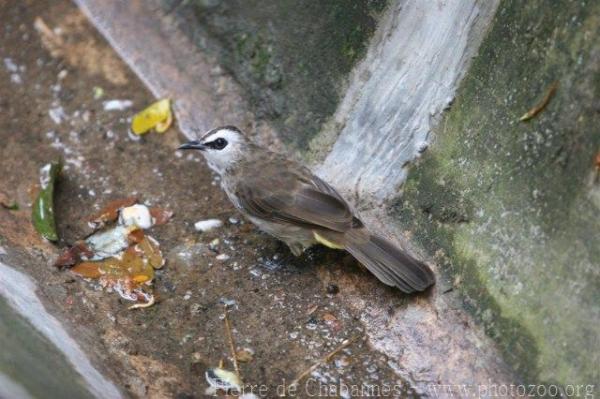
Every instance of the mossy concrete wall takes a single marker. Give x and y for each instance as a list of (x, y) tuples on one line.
[(290, 57), (511, 208)]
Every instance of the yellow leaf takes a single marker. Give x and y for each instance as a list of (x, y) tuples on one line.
[(151, 252), (140, 278), (162, 127), (87, 270), (158, 115)]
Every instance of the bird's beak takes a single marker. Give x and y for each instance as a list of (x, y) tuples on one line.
[(192, 145)]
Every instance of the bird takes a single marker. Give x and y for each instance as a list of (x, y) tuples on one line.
[(285, 199)]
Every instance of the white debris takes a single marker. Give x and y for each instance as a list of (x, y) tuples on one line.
[(208, 224), (16, 78), (57, 114), (108, 243), (117, 105), (98, 92), (136, 215), (222, 257), (10, 65), (132, 136), (222, 379), (233, 220), (228, 302), (45, 175)]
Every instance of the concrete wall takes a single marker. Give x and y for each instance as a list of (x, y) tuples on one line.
[(512, 208)]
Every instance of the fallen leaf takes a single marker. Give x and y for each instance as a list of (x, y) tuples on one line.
[(332, 322), (163, 126), (151, 251), (312, 309), (42, 211), (111, 211), (129, 266), (329, 317), (11, 206), (74, 255), (244, 355), (156, 116), (541, 105), (87, 270), (136, 236), (121, 257), (222, 379), (160, 215)]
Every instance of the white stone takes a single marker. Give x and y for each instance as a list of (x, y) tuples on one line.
[(207, 225), (222, 257), (136, 215), (117, 105)]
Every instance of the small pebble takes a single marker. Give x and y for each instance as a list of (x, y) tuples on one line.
[(342, 361), (214, 244), (207, 225), (332, 289), (116, 105)]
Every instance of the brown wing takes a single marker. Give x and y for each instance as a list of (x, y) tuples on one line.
[(296, 196)]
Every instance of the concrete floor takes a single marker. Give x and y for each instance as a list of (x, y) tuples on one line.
[(48, 110)]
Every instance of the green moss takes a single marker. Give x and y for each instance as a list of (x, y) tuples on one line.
[(511, 204)]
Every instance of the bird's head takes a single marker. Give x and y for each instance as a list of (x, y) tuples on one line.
[(222, 147)]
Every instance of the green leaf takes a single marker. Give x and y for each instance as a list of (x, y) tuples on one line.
[(13, 206), (42, 212)]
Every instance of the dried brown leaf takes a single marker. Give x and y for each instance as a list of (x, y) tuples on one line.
[(541, 105), (136, 236), (160, 215), (110, 212), (244, 355), (329, 317), (73, 255)]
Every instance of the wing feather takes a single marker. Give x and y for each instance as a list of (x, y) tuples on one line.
[(303, 200)]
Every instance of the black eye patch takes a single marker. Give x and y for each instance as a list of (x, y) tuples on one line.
[(217, 144)]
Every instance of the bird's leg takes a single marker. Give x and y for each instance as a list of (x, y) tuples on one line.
[(277, 261), (296, 248)]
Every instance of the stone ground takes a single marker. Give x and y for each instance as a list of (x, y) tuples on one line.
[(47, 111)]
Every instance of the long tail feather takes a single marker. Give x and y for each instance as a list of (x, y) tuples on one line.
[(387, 262)]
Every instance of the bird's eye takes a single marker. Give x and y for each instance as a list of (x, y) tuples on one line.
[(220, 143)]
